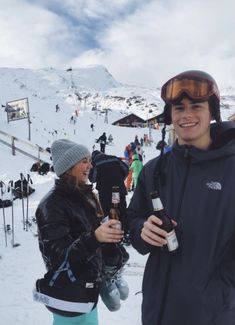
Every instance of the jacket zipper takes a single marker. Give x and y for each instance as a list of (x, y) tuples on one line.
[(168, 271), (186, 156)]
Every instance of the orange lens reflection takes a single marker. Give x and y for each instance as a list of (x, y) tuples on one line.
[(193, 88)]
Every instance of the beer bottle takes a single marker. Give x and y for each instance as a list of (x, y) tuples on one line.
[(159, 211), (114, 212)]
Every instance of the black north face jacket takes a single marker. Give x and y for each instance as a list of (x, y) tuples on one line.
[(196, 286)]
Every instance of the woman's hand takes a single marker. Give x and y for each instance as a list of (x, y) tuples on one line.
[(106, 234)]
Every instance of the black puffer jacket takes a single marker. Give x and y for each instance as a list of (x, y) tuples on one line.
[(66, 218), (196, 286)]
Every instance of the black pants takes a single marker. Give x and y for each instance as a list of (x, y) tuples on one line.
[(102, 147)]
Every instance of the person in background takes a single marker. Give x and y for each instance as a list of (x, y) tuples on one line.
[(162, 145), (128, 154), (57, 108), (110, 138), (146, 140), (92, 127), (136, 141), (195, 180), (70, 233), (139, 150), (136, 168), (103, 141), (109, 171)]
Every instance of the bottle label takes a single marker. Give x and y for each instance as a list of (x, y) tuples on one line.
[(172, 242), (157, 204), (115, 197), (104, 219), (117, 225)]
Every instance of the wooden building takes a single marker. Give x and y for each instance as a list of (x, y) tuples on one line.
[(154, 122), (130, 120)]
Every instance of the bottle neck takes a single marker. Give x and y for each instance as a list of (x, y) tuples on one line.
[(115, 205), (157, 204), (115, 198)]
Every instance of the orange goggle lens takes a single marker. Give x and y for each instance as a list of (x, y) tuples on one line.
[(195, 89)]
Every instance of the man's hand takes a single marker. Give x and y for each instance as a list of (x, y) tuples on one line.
[(152, 233)]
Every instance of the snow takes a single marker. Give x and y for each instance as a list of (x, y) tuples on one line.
[(21, 266)]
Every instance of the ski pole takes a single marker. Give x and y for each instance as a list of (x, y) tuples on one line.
[(13, 223), (22, 196), (3, 190), (29, 180), (27, 204), (10, 189)]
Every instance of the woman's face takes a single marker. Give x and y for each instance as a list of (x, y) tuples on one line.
[(81, 170)]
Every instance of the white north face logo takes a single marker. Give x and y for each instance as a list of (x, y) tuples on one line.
[(214, 185)]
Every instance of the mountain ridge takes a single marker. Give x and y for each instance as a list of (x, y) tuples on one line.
[(92, 90)]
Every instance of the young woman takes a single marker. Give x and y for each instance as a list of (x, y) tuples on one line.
[(70, 238)]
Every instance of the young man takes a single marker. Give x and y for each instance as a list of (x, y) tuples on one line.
[(196, 284)]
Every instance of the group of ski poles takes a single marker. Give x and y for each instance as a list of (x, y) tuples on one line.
[(25, 215)]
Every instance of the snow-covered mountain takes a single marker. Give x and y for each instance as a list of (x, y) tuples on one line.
[(73, 86), (89, 91), (92, 87)]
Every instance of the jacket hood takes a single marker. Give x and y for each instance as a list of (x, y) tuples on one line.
[(222, 133), (97, 155)]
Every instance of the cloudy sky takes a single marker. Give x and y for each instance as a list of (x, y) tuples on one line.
[(142, 42)]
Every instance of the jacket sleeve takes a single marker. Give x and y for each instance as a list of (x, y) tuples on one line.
[(137, 213), (93, 174), (124, 168), (55, 238), (132, 166)]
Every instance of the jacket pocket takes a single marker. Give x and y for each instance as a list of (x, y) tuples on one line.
[(213, 297)]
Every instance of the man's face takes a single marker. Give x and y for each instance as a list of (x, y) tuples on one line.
[(191, 121)]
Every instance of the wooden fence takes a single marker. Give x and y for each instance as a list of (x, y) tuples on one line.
[(24, 147)]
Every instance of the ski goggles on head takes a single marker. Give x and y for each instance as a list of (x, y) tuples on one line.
[(196, 89)]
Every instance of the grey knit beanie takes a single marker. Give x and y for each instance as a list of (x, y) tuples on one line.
[(65, 154)]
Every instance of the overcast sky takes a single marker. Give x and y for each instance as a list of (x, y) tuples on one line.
[(142, 42)]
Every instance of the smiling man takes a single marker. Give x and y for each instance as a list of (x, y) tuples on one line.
[(191, 120), (195, 181)]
